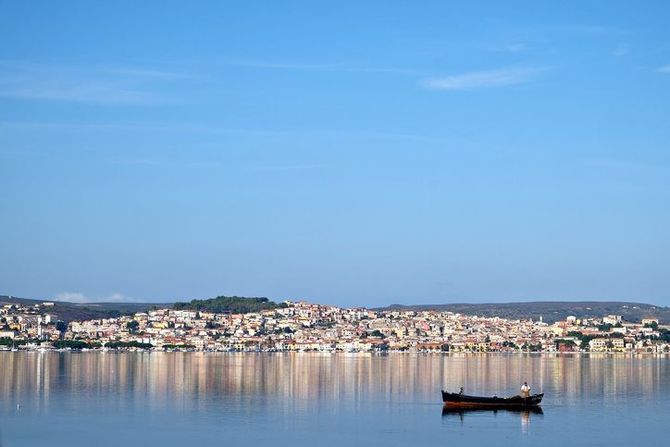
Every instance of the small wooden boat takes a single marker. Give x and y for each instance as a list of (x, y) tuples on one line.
[(458, 400)]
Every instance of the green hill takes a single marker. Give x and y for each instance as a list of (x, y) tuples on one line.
[(230, 304)]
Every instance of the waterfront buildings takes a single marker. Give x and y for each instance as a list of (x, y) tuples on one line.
[(304, 326)]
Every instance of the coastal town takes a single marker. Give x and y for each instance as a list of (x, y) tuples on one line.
[(303, 327)]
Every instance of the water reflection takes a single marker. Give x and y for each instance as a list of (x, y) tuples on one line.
[(174, 377), (296, 399), (524, 416), (461, 412)]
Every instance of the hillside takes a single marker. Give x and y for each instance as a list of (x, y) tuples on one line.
[(229, 304), (550, 311), (67, 311)]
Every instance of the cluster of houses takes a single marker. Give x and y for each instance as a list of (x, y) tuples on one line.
[(313, 327), (28, 322)]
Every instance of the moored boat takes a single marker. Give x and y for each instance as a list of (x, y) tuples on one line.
[(459, 400)]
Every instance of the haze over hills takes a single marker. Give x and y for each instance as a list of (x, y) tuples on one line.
[(550, 311), (68, 311)]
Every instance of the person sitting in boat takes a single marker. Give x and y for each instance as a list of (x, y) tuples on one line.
[(525, 390), (460, 391)]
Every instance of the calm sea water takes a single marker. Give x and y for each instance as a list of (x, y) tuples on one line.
[(178, 399)]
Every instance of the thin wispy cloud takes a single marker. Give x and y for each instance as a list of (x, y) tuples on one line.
[(139, 161), (30, 81), (78, 297), (512, 47), (330, 67), (621, 50), (283, 66), (118, 298), (72, 297), (587, 30), (628, 166), (483, 79), (291, 167), (597, 30), (78, 91), (664, 69), (156, 74), (515, 47), (329, 134)]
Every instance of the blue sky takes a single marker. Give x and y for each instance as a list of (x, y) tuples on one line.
[(351, 153)]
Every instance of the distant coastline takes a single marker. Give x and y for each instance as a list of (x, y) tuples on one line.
[(239, 324), (550, 311)]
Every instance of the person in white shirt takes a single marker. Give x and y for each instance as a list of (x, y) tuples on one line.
[(525, 390)]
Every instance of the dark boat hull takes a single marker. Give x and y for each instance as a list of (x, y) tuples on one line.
[(457, 400)]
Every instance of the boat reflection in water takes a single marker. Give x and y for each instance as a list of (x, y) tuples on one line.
[(448, 411), (525, 414)]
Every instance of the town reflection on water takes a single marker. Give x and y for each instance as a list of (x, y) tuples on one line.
[(189, 379)]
